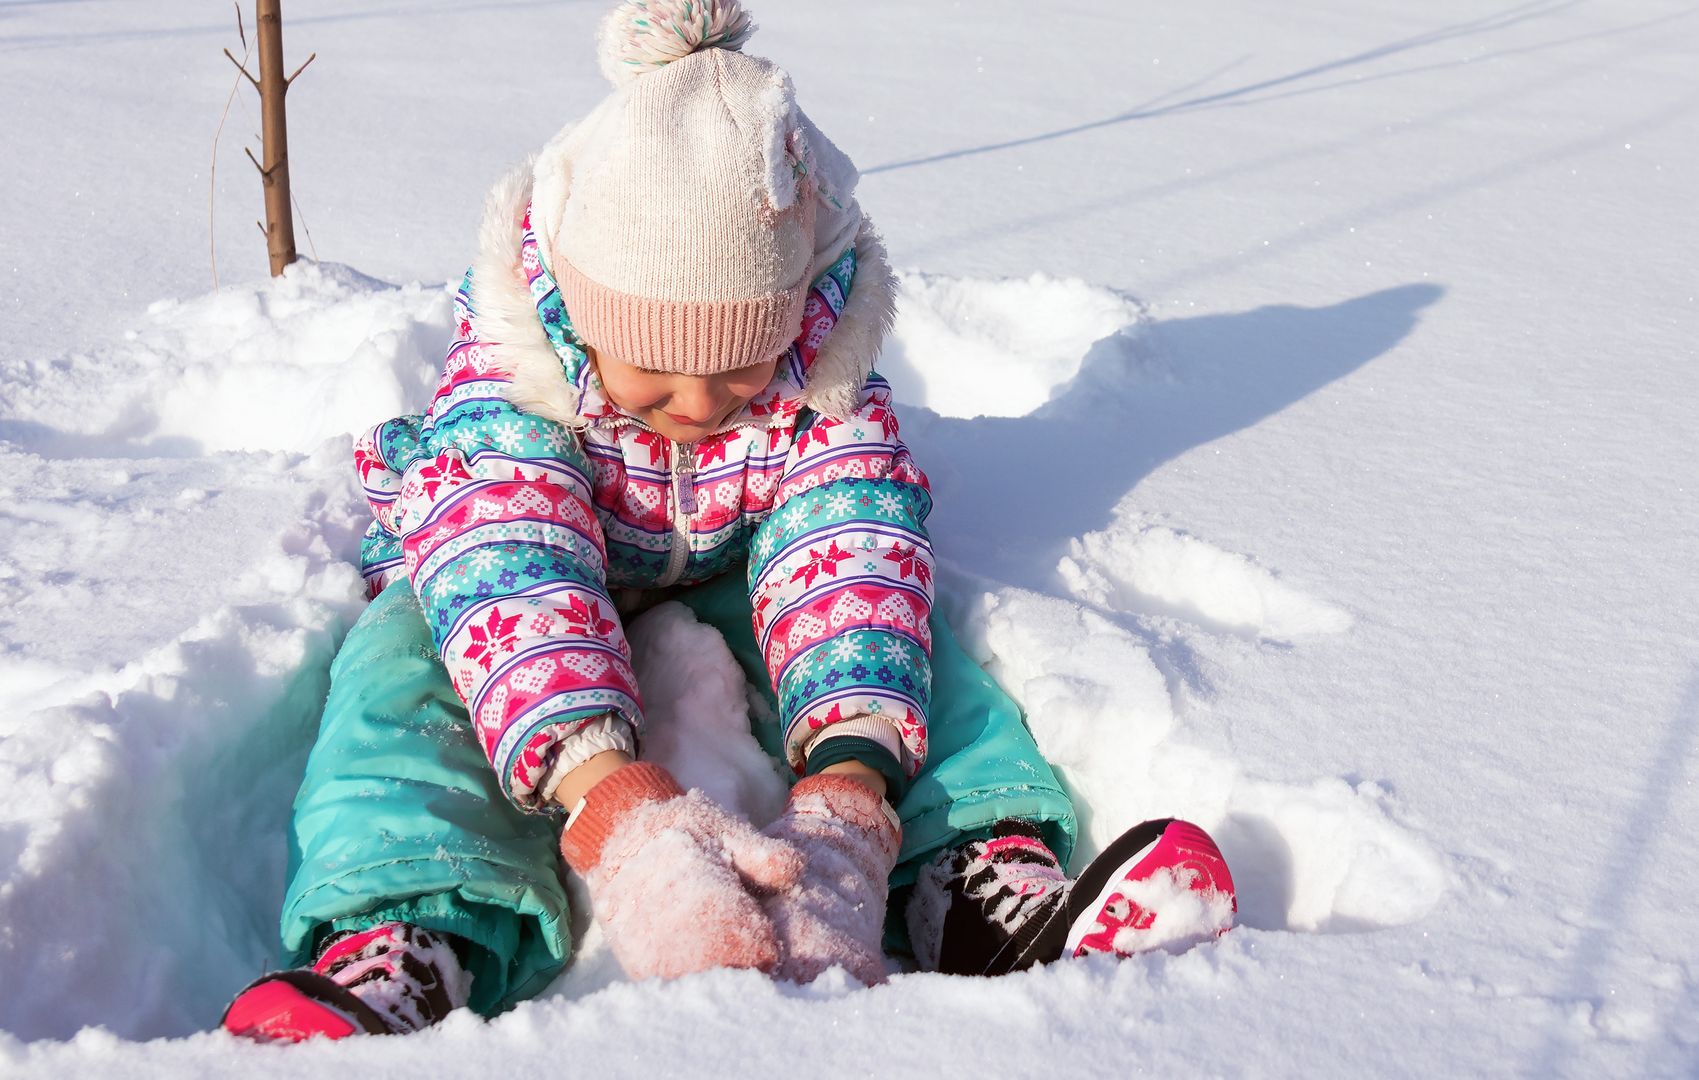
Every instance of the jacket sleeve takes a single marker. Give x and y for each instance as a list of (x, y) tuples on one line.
[(381, 455), (840, 578), (487, 511)]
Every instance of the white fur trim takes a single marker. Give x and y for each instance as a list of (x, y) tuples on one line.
[(846, 359), (777, 108), (506, 318)]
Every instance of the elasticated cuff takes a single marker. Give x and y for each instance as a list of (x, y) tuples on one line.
[(879, 758), (606, 805), (583, 741)]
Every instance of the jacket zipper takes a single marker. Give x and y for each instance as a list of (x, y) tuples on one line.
[(684, 507), (684, 491)]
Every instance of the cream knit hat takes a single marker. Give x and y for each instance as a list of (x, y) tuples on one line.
[(682, 217)]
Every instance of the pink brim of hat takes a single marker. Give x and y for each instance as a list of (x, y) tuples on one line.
[(689, 337)]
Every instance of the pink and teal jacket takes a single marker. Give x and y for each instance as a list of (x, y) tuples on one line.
[(522, 496)]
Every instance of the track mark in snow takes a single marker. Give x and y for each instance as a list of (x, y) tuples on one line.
[(1137, 566), (1325, 856)]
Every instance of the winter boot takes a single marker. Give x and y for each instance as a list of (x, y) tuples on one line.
[(990, 907), (999, 905), (1161, 884), (389, 980)]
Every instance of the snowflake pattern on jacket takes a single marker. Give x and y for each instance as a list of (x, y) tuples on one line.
[(512, 528)]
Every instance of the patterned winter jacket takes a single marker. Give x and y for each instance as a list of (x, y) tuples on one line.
[(522, 495)]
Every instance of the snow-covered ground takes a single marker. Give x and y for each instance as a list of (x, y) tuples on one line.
[(1310, 395)]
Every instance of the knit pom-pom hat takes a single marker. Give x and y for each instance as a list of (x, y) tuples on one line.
[(684, 216)]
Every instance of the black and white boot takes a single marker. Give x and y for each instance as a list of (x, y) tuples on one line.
[(1003, 904), (991, 906)]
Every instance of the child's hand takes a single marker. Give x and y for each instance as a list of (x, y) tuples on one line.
[(835, 915), (676, 880)]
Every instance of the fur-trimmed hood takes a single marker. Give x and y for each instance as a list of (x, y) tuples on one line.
[(505, 317)]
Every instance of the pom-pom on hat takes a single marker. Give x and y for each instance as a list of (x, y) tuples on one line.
[(644, 35), (684, 216)]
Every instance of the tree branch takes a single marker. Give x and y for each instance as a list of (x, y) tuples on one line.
[(241, 30), (242, 69), (256, 162), (291, 79)]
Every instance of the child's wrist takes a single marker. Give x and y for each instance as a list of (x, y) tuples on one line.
[(577, 783), (860, 772)]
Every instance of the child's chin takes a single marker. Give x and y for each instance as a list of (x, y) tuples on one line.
[(678, 432), (683, 433)]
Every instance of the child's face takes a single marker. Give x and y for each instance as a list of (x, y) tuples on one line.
[(684, 408)]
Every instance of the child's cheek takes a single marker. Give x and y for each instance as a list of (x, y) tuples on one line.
[(632, 392)]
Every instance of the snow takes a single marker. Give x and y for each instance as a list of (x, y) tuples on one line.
[(1309, 401), (696, 704), (1181, 916)]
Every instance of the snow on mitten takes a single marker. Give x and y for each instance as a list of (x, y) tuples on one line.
[(836, 913), (674, 879)]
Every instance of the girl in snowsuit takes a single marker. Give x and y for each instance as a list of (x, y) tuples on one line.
[(663, 380)]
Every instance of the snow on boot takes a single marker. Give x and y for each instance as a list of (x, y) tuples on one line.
[(835, 916), (389, 980), (1162, 884), (674, 879), (990, 907)]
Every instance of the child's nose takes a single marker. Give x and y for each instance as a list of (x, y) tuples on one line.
[(700, 402)]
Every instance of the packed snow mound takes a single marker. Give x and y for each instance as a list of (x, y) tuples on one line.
[(144, 807), (326, 349), (968, 347), (696, 705), (1136, 565)]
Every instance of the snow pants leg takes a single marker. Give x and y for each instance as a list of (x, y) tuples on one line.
[(982, 764), (399, 817)]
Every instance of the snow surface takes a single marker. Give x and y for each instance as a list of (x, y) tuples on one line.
[(1309, 394)]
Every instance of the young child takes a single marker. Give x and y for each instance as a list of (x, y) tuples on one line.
[(663, 381)]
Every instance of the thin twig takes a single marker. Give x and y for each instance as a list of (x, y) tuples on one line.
[(242, 69), (212, 175), (304, 228), (260, 225), (300, 69), (255, 160)]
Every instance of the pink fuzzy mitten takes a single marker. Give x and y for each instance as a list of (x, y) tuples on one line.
[(675, 879), (836, 913)]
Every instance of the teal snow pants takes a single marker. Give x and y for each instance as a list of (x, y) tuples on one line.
[(399, 816)]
